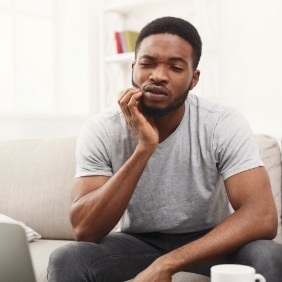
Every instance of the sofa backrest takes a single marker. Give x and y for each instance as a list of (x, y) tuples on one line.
[(36, 177), (270, 154)]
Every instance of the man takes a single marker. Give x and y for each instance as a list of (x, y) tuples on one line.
[(156, 166)]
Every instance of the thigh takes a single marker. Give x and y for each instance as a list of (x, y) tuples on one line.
[(118, 257), (264, 255)]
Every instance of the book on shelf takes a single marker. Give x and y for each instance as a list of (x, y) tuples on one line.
[(118, 42), (125, 41)]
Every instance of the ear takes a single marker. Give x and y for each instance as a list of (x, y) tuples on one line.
[(195, 79), (132, 68)]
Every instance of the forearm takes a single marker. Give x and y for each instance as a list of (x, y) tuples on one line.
[(237, 230), (255, 218), (95, 214)]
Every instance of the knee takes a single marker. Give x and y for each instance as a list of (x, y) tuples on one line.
[(263, 251), (60, 256), (58, 261), (262, 255), (272, 256), (66, 262)]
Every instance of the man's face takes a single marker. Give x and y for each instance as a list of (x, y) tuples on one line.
[(164, 72)]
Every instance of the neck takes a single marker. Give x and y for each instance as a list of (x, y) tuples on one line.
[(167, 125)]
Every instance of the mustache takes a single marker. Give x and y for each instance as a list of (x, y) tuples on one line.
[(156, 88), (153, 87)]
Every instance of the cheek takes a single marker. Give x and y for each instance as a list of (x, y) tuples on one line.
[(138, 76), (189, 83), (134, 75), (180, 84)]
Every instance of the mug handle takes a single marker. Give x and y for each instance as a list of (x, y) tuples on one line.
[(260, 278)]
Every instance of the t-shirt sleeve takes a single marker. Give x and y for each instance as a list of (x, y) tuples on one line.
[(234, 144), (92, 150)]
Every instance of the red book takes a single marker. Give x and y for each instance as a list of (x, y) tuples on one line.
[(118, 42)]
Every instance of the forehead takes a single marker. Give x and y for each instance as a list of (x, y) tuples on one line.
[(165, 45)]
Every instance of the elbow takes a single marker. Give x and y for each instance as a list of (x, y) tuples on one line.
[(87, 229), (80, 234), (270, 226), (272, 231)]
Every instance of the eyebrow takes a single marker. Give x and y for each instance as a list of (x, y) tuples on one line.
[(172, 59)]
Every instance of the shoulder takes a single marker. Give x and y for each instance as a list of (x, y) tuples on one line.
[(222, 124), (102, 128), (108, 119), (205, 106), (108, 116), (210, 113)]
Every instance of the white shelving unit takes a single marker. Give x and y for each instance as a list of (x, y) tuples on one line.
[(119, 58), (115, 69)]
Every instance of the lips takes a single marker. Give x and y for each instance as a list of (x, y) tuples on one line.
[(155, 93), (157, 90)]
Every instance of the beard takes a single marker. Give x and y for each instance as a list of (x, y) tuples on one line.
[(155, 112)]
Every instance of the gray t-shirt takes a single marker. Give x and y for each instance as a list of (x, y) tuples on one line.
[(179, 190)]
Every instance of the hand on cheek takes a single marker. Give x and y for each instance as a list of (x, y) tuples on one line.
[(142, 127), (129, 101)]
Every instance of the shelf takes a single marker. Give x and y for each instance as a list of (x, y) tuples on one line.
[(127, 6), (123, 7), (120, 58), (42, 117)]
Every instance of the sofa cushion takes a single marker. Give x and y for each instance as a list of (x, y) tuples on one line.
[(270, 153), (40, 252), (36, 177)]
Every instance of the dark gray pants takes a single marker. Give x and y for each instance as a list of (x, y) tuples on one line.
[(121, 256)]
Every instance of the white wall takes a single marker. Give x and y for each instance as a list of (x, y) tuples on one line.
[(47, 72), (248, 64), (18, 127), (250, 61)]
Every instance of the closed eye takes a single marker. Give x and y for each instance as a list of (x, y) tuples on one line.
[(176, 68), (146, 64)]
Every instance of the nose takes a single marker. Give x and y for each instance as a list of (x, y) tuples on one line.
[(158, 74)]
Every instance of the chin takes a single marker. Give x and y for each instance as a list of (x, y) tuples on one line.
[(155, 112)]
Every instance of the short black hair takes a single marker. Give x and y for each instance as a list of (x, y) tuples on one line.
[(177, 26)]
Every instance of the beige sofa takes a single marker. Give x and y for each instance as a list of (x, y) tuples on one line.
[(36, 177)]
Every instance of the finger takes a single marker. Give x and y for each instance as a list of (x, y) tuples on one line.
[(129, 96), (126, 98), (123, 101), (128, 91), (133, 104)]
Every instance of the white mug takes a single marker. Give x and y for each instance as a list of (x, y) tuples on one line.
[(234, 273)]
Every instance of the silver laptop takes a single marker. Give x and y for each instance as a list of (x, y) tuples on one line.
[(15, 259)]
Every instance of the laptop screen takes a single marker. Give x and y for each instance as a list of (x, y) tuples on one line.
[(15, 260)]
